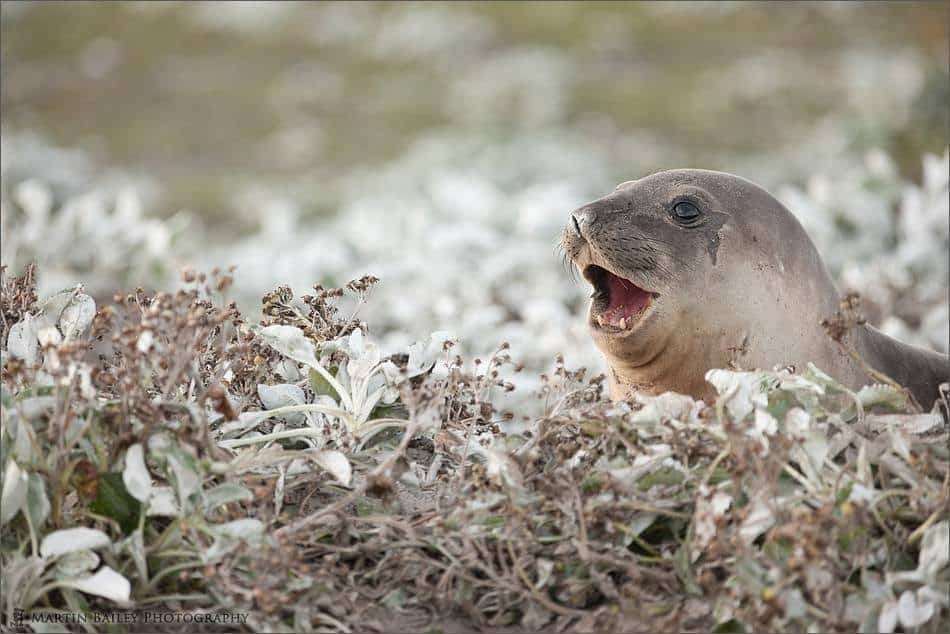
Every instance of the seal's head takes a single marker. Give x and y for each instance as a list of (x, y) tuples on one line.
[(686, 263)]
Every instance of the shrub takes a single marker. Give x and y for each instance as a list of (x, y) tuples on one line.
[(163, 451)]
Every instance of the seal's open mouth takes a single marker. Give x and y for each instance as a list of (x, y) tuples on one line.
[(618, 302)]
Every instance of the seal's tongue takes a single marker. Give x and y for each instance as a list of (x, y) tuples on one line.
[(626, 301)]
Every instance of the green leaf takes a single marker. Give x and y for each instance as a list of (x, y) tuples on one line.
[(113, 500), (393, 410), (731, 626), (664, 476), (778, 550), (780, 402), (593, 483), (684, 572), (6, 398), (225, 494), (494, 521), (37, 503), (395, 599), (322, 387), (844, 493)]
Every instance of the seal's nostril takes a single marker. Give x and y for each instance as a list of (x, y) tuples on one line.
[(577, 226)]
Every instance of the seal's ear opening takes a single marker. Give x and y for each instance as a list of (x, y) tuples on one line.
[(617, 301)]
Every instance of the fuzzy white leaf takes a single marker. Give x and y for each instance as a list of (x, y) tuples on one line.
[(15, 486), (355, 343), (37, 406), (889, 396), (912, 613), (709, 507), (49, 336), (861, 494), (246, 528), (910, 423), (369, 404), (37, 502), (744, 390), (900, 445), (186, 480), (816, 446), (163, 503), (225, 494), (666, 406), (245, 421), (280, 395), (72, 539), (24, 439), (287, 369), (145, 341), (334, 463), (758, 520), (887, 620), (77, 316), (135, 476), (364, 357), (765, 423), (815, 374), (501, 466), (291, 342), (641, 522), (934, 550), (798, 383), (797, 423), (76, 563), (105, 583), (545, 568), (21, 341)]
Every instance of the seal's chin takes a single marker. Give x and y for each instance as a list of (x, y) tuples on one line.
[(619, 304)]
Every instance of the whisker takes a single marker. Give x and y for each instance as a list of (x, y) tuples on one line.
[(566, 261)]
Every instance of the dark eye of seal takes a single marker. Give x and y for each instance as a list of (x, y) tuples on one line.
[(685, 212)]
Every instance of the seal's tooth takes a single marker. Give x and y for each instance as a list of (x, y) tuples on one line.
[(623, 323)]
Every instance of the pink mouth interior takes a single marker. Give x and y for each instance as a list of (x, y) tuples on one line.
[(626, 300)]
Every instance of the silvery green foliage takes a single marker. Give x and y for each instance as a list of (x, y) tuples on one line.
[(162, 474), (806, 409), (832, 446), (461, 231), (342, 403), (62, 318), (885, 239), (79, 227), (476, 229), (476, 236)]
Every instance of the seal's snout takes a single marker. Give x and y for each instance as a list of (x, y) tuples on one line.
[(583, 218)]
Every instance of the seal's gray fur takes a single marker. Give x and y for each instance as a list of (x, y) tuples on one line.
[(745, 284)]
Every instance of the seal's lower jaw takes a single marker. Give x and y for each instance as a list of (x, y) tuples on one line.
[(619, 305)]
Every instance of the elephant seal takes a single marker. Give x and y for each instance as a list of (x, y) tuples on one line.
[(695, 269)]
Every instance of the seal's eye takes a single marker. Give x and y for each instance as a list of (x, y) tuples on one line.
[(685, 212)]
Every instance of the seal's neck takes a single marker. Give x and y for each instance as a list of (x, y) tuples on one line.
[(666, 372)]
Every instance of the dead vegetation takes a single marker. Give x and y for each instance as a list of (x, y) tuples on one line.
[(287, 470)]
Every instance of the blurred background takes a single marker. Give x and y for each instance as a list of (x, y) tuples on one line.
[(440, 146)]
